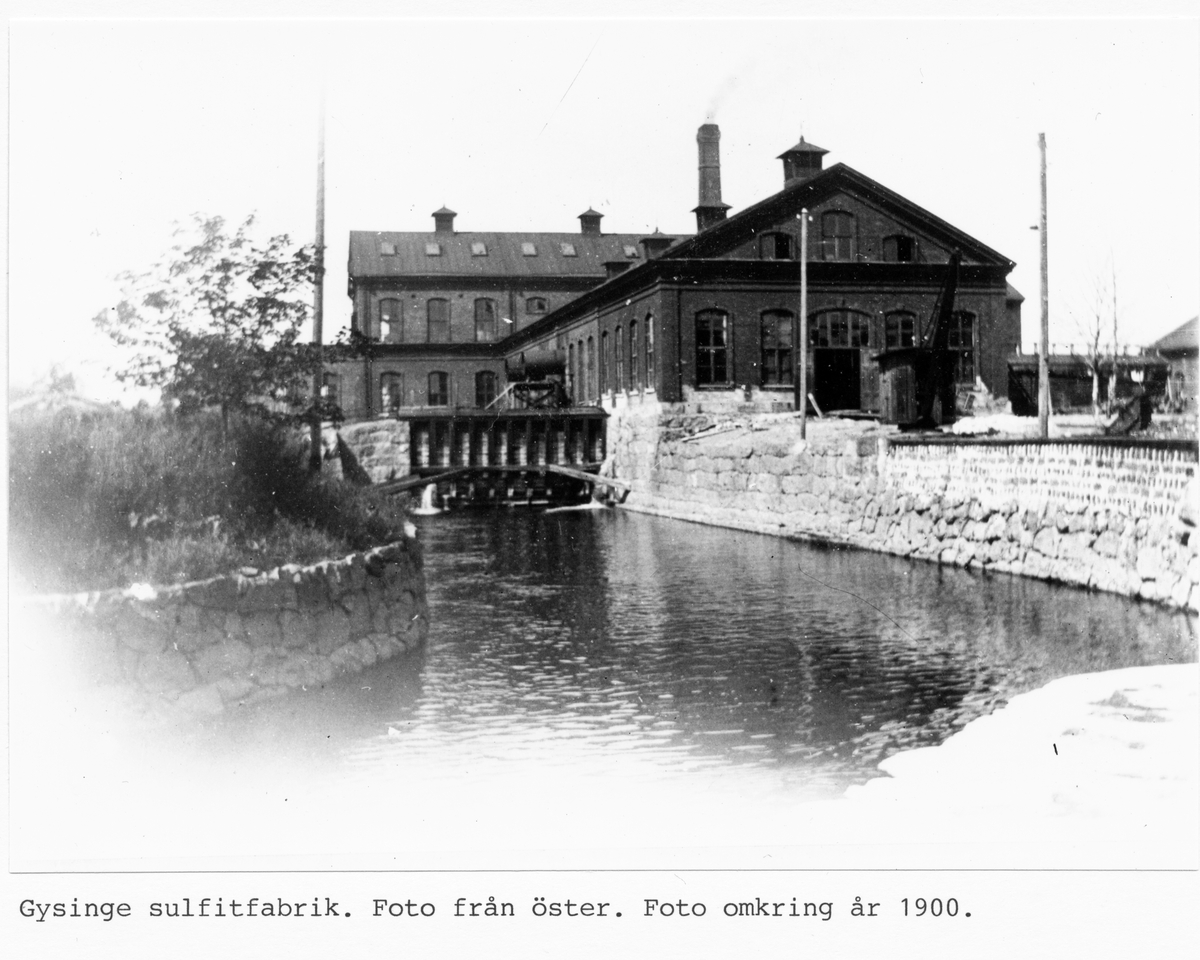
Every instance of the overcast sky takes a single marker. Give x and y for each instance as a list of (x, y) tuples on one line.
[(119, 128)]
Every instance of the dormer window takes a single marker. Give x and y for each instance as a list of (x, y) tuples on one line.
[(387, 249), (899, 249), (478, 249), (433, 249), (631, 252), (775, 246), (567, 249), (528, 250)]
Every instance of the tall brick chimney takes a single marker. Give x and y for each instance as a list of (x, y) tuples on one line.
[(710, 209)]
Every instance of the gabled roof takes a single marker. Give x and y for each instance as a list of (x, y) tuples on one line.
[(505, 254), (838, 178), (1183, 337)]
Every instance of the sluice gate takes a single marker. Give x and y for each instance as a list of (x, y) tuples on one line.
[(483, 457)]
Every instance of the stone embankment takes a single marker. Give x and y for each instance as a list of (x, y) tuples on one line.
[(1114, 516), (198, 648), (379, 448)]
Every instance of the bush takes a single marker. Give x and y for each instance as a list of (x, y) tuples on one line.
[(102, 500)]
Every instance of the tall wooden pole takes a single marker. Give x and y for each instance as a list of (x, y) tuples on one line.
[(800, 337), (319, 286), (1112, 380), (1044, 351)]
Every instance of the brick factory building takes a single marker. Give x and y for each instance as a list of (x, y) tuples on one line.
[(704, 320)]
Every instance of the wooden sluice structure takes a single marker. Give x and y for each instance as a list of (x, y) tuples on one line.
[(482, 457)]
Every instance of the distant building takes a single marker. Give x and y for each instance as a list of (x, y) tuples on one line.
[(1071, 381), (1179, 349)]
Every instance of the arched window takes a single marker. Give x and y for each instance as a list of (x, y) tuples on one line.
[(391, 317), (535, 305), (635, 374), (439, 389), (605, 361), (572, 382), (485, 320), (899, 249), (899, 330), (438, 314), (651, 379), (391, 389), (775, 246), (485, 388), (776, 348), (838, 235), (331, 392), (840, 328), (619, 343), (590, 377), (962, 344), (712, 347)]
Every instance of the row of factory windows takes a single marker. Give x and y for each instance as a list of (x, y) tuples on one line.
[(432, 390), (839, 241), (837, 329), (436, 327), (625, 359), (625, 362)]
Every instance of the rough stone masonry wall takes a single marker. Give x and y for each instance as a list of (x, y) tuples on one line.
[(379, 447), (1111, 518), (198, 648)]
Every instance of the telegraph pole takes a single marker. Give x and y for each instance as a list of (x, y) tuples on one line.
[(800, 331), (319, 290), (1044, 352), (1112, 380)]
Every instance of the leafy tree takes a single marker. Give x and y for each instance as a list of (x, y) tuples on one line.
[(216, 322)]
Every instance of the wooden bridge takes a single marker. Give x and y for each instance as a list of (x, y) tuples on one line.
[(486, 456)]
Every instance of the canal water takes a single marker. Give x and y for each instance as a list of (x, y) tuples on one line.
[(589, 668), (588, 639)]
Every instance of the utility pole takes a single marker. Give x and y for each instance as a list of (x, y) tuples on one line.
[(319, 290), (800, 332), (1112, 380), (1043, 354)]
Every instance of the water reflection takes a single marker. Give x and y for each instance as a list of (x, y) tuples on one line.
[(579, 640)]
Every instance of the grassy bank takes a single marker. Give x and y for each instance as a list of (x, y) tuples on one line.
[(106, 499)]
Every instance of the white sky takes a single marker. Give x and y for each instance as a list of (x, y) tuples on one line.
[(120, 127)]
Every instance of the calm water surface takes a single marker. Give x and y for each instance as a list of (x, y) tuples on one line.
[(581, 643)]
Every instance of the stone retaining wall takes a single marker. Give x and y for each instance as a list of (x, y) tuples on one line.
[(198, 648), (379, 447), (1109, 516)]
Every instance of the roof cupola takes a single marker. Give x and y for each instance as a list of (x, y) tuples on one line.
[(443, 220), (589, 223), (801, 162)]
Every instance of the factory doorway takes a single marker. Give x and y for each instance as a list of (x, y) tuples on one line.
[(837, 374)]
